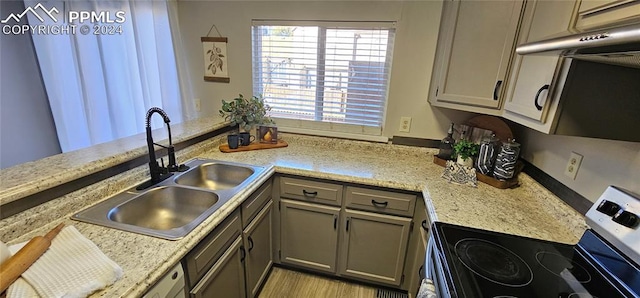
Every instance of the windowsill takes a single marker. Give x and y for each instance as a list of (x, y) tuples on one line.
[(334, 134)]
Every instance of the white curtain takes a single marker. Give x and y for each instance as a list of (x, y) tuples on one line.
[(100, 86)]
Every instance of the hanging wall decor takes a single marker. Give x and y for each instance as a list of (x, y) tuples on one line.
[(215, 59)]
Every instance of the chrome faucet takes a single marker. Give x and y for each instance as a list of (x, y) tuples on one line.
[(160, 172)]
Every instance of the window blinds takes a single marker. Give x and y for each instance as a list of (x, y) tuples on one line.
[(324, 71)]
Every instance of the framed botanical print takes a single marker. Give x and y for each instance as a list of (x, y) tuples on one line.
[(215, 59)]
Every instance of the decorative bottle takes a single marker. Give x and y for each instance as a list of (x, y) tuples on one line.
[(446, 146)]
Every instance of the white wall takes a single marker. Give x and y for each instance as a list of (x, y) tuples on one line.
[(416, 37), (605, 162), (27, 131)]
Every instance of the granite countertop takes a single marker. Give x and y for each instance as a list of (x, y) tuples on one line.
[(529, 210), (25, 179)]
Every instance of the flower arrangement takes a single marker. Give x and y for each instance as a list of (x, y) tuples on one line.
[(246, 112)]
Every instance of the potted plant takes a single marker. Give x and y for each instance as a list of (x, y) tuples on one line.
[(246, 112), (465, 151)]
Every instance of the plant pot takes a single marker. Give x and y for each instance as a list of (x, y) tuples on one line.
[(465, 162)]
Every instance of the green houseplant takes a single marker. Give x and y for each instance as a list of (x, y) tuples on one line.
[(246, 112), (465, 151)]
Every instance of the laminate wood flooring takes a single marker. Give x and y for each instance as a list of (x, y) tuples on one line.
[(283, 283)]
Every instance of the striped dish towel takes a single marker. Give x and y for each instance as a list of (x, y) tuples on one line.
[(73, 266)]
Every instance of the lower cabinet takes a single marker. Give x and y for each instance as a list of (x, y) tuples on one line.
[(366, 238), (235, 258), (215, 265), (374, 246), (258, 241), (309, 235), (226, 277)]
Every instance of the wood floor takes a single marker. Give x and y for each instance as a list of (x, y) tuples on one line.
[(286, 283)]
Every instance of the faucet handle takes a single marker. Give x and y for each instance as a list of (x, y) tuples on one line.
[(163, 169), (171, 152)]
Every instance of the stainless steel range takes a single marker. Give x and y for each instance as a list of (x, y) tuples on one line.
[(467, 262)]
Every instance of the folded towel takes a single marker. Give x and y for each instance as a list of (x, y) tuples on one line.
[(73, 266), (427, 289)]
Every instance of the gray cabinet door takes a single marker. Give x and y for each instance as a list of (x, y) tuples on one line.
[(374, 246), (258, 241), (226, 277), (309, 235), (475, 47), (532, 87)]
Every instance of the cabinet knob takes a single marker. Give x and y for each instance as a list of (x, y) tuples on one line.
[(608, 208), (626, 219)]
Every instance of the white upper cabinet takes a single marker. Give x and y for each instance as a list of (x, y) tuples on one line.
[(536, 79), (602, 13), (475, 45)]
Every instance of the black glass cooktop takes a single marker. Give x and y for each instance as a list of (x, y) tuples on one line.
[(490, 264)]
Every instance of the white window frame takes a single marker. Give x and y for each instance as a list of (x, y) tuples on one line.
[(331, 129)]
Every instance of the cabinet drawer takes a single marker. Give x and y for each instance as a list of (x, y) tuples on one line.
[(205, 254), (251, 206), (311, 191), (380, 201)]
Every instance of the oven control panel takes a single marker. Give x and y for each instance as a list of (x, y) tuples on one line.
[(616, 217)]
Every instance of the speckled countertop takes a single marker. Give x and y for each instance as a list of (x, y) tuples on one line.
[(25, 179), (529, 210)]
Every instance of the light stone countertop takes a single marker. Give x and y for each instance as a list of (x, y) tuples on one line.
[(28, 178), (529, 210)]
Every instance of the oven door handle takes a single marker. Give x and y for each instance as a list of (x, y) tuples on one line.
[(427, 260)]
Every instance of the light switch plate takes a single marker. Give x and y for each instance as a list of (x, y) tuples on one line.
[(196, 104)]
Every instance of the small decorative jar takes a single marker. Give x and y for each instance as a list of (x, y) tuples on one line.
[(506, 162)]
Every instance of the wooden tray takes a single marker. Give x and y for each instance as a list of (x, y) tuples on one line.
[(488, 179), (253, 146)]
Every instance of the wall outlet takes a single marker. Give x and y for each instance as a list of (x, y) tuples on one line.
[(196, 104), (573, 165), (405, 124)]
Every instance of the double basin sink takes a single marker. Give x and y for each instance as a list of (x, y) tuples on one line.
[(173, 208)]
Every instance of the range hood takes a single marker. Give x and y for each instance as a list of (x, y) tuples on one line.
[(617, 45)]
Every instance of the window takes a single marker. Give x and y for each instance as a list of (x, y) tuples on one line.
[(325, 75), (100, 86)]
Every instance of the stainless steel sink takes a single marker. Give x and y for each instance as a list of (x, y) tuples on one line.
[(215, 176), (163, 208), (174, 207)]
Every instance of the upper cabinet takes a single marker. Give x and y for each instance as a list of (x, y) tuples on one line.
[(599, 13), (536, 79), (475, 47)]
